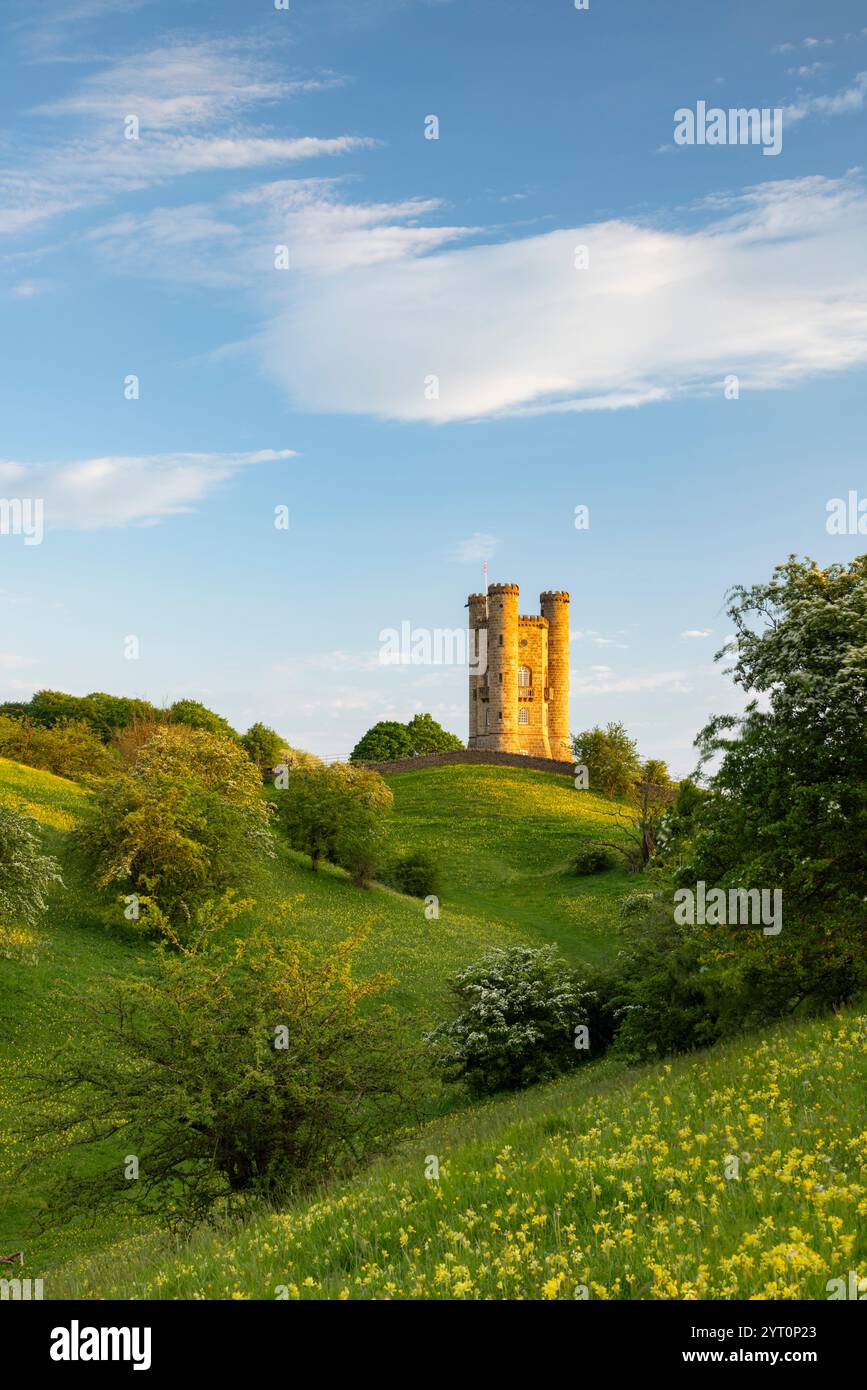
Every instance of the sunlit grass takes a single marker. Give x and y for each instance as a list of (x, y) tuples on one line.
[(737, 1173)]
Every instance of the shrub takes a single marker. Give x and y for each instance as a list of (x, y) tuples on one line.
[(189, 821), (592, 858), (68, 748), (104, 714), (634, 905), (415, 873), (517, 1026), (611, 759), (660, 995), (27, 875), (264, 746), (237, 1070), (337, 813)]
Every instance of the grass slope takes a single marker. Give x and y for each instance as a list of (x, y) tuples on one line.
[(609, 1185), (502, 834)]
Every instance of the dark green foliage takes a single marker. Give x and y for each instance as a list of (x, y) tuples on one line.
[(593, 858), (337, 813), (386, 741), (237, 1070), (197, 716), (427, 736), (390, 740), (415, 873), (520, 1009), (105, 714)]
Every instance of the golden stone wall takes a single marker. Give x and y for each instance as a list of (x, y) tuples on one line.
[(539, 643)]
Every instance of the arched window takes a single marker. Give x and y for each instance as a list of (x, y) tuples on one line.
[(525, 676), (523, 715)]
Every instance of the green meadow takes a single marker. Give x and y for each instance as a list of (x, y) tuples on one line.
[(728, 1174)]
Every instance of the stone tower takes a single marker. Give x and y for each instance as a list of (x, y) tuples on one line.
[(521, 702)]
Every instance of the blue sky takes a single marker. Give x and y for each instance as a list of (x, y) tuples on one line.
[(409, 258)]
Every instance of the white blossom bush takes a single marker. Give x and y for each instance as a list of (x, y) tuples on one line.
[(27, 875), (524, 1019)]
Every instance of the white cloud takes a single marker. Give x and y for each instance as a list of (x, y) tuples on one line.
[(478, 546), (10, 661), (189, 100), (697, 632), (588, 634), (233, 240), (181, 85), (842, 103), (120, 490), (772, 288), (600, 681), (806, 70)]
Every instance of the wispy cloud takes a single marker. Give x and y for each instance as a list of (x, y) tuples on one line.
[(773, 288), (588, 634), (233, 240), (189, 100), (696, 632), (120, 490), (478, 546), (602, 681), (843, 103)]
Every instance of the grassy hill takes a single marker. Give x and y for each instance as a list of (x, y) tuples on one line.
[(610, 1184), (612, 1179), (503, 836)]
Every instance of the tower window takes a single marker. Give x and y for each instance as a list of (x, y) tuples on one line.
[(525, 676), (501, 639), (523, 715)]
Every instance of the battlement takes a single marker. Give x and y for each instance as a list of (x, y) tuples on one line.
[(521, 705)]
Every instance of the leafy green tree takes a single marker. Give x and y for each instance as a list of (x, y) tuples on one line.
[(264, 746), (238, 1071), (520, 1009), (788, 799), (389, 740), (383, 743), (105, 714), (337, 813), (197, 716), (611, 759), (188, 822), (427, 736)]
